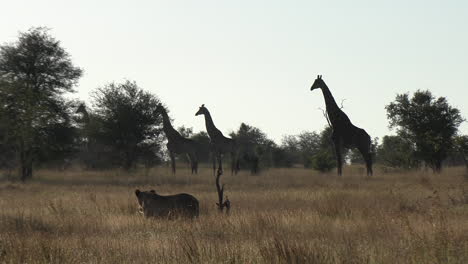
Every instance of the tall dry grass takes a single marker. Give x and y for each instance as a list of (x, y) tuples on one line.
[(280, 216)]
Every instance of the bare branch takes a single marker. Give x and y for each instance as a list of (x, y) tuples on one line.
[(325, 114), (342, 101), (220, 188)]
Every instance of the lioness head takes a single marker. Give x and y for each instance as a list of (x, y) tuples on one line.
[(143, 197)]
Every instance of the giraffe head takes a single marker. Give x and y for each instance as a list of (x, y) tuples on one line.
[(159, 108), (202, 110), (319, 83), (81, 108)]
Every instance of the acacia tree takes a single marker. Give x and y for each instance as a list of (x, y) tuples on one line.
[(311, 149), (309, 145), (429, 123), (35, 72), (130, 124), (324, 159), (289, 152), (254, 147)]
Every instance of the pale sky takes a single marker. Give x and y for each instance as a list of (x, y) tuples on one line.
[(254, 61)]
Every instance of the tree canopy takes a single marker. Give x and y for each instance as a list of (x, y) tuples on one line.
[(397, 152), (35, 72), (255, 149), (429, 123), (129, 120)]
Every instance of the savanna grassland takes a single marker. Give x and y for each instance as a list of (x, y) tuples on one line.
[(280, 216)]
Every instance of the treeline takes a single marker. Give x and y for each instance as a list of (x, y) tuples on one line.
[(41, 127)]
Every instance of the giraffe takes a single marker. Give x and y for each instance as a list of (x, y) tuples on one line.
[(177, 144), (85, 121), (345, 134), (82, 110), (89, 150), (219, 143)]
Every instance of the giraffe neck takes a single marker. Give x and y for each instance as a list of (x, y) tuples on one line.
[(334, 112), (213, 132), (167, 126)]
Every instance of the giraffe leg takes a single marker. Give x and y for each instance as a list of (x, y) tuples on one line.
[(237, 162), (194, 163), (214, 163), (220, 162), (369, 164), (338, 152), (364, 146), (232, 164), (190, 159), (171, 154), (367, 155)]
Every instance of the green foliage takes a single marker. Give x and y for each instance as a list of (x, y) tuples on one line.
[(129, 123), (309, 149), (301, 147), (309, 145), (324, 159), (289, 152), (461, 148), (93, 153), (203, 145), (7, 148), (397, 152), (186, 132), (427, 122), (35, 72), (281, 158), (254, 148)]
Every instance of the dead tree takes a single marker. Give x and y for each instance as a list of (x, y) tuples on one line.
[(326, 116), (226, 204)]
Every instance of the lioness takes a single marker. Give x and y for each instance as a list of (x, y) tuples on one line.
[(153, 204)]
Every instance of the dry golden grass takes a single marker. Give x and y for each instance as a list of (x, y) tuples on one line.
[(280, 216)]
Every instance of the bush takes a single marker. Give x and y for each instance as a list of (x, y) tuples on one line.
[(323, 161)]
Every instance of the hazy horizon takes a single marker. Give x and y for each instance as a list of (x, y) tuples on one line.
[(254, 61)]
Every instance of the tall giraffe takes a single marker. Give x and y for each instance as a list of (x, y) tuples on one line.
[(85, 121), (88, 153), (219, 143), (82, 110), (177, 144), (345, 134)]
